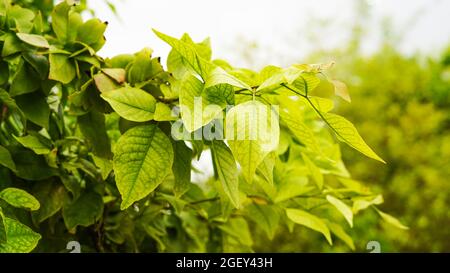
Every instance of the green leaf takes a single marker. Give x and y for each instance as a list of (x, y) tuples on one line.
[(31, 166), (362, 203), (227, 170), (62, 68), (19, 198), (2, 228), (238, 229), (61, 22), (264, 216), (91, 32), (252, 132), (35, 108), (314, 171), (34, 143), (11, 45), (292, 186), (220, 76), (391, 220), (308, 220), (347, 133), (341, 234), (93, 127), (188, 52), (6, 159), (143, 158), (39, 63), (343, 208), (21, 17), (294, 120), (266, 167), (131, 103), (84, 211), (181, 167), (34, 40), (163, 113), (51, 196), (306, 83), (105, 83), (143, 68), (195, 111), (20, 238), (25, 80), (105, 166)]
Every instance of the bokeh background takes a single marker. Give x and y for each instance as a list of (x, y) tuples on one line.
[(393, 55)]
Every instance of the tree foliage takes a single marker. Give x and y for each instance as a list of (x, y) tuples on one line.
[(87, 151)]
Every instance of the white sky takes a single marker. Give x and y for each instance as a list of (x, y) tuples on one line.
[(280, 28)]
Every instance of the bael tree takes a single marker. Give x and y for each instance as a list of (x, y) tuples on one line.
[(88, 148)]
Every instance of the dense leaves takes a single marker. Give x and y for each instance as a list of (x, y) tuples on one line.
[(101, 150)]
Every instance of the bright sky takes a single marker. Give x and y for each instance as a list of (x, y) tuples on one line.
[(281, 29)]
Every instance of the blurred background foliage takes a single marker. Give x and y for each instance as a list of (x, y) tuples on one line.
[(401, 106)]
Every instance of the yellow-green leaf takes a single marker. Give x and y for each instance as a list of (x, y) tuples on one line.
[(34, 40), (343, 208), (131, 103), (311, 221), (20, 238), (347, 133), (19, 198), (142, 159), (252, 132), (227, 170), (391, 220)]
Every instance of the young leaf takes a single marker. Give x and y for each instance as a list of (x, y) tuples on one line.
[(62, 68), (347, 133), (195, 111), (163, 113), (227, 171), (19, 198), (252, 132), (188, 52), (308, 220), (6, 159), (341, 234), (345, 210), (34, 40), (314, 171), (60, 21), (91, 32), (265, 169), (143, 158), (391, 220), (293, 118), (265, 216), (20, 238), (181, 167), (131, 103), (220, 76), (33, 143)]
